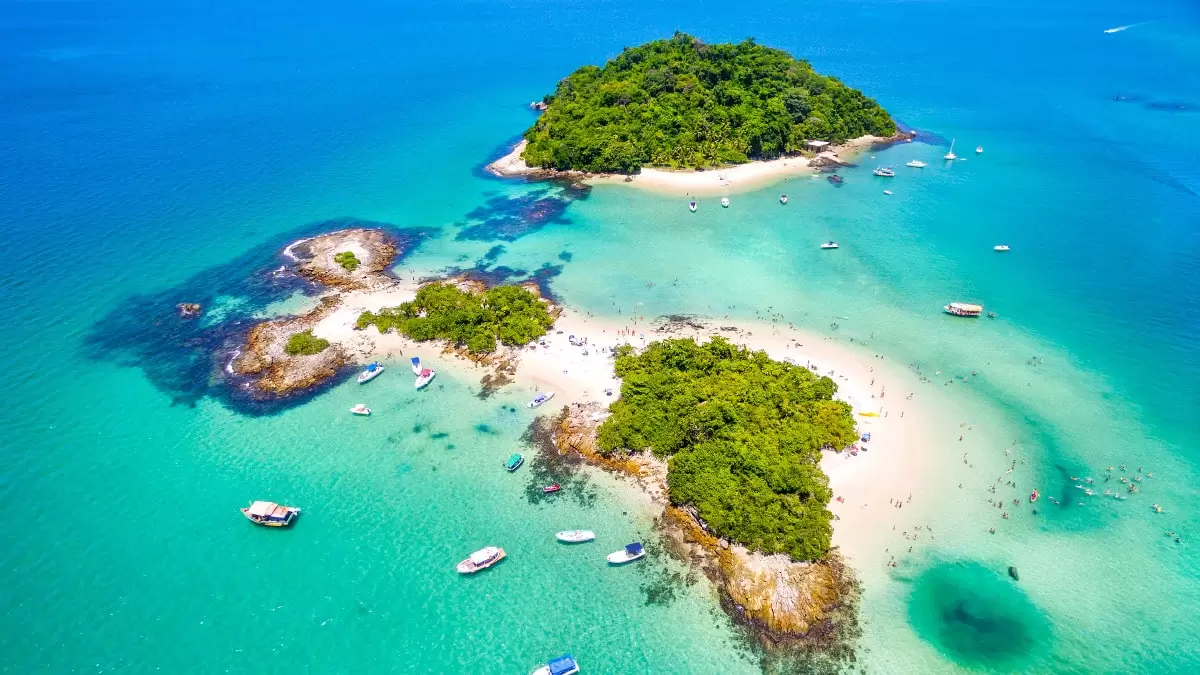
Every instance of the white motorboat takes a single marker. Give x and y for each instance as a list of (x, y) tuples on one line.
[(424, 378), (1000, 248), (630, 553), (692, 206), (725, 202), (361, 409), (481, 560), (887, 192), (916, 164), (884, 171), (372, 371), (416, 365), (575, 536), (830, 244), (541, 398), (563, 665), (979, 149), (950, 155), (783, 199)]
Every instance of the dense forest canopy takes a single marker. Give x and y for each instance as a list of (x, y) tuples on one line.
[(441, 311), (683, 103), (743, 434)]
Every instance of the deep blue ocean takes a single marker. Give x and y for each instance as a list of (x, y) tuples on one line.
[(154, 153)]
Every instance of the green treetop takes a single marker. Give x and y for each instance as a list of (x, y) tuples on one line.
[(686, 104)]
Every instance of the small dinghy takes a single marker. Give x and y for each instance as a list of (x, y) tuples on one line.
[(783, 199), (630, 553), (424, 378), (481, 560), (725, 202), (563, 665), (270, 514), (515, 461), (830, 245), (575, 536), (361, 409), (372, 371), (692, 206), (1001, 248), (416, 365), (541, 398), (551, 488)]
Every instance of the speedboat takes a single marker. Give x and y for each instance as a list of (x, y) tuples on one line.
[(916, 164), (424, 378), (372, 371), (1001, 248), (836, 179), (575, 536), (950, 155), (884, 171), (515, 461), (979, 149), (630, 553), (270, 514), (416, 365), (829, 244), (481, 560), (541, 398), (692, 206), (887, 192), (963, 309), (551, 488), (783, 199), (361, 409), (563, 665), (725, 202)]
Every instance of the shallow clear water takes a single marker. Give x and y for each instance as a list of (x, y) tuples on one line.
[(160, 154)]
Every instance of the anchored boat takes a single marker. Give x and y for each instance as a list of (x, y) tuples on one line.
[(725, 202), (563, 665), (540, 399), (361, 409), (692, 206), (830, 244), (551, 488), (481, 560), (916, 164), (425, 377), (372, 371), (270, 514), (884, 171), (1000, 248), (515, 461), (575, 536), (950, 155), (416, 365), (630, 553), (783, 199), (963, 309)]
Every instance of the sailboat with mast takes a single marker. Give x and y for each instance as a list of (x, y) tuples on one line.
[(949, 156)]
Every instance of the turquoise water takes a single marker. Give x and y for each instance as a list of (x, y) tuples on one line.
[(164, 153)]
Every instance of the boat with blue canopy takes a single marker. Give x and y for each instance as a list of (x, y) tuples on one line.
[(372, 371), (563, 665), (630, 553), (514, 461), (416, 365)]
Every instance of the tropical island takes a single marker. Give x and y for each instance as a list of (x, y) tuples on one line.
[(683, 104)]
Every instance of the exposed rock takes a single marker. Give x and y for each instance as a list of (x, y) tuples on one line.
[(785, 602), (1012, 572), (539, 106), (279, 373), (375, 250), (189, 310)]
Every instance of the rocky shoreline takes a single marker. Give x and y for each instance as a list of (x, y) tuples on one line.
[(785, 603)]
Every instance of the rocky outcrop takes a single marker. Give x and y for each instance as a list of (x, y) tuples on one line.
[(785, 602), (374, 249), (273, 370), (189, 310)]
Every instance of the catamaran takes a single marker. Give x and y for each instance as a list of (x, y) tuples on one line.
[(575, 536), (884, 171), (540, 399), (829, 245), (424, 378), (563, 665), (372, 371), (481, 560), (916, 164), (270, 514), (725, 202), (950, 155), (361, 409), (416, 365), (630, 553), (963, 309)]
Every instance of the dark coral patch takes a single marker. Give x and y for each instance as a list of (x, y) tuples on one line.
[(508, 218)]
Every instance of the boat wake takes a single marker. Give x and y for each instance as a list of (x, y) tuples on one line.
[(1118, 29)]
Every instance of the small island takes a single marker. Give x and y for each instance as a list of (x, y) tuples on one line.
[(682, 104)]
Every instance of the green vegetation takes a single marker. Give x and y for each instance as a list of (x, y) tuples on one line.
[(306, 344), (682, 103), (441, 311), (743, 434), (348, 260)]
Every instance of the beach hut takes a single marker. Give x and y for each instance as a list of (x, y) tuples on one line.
[(818, 146)]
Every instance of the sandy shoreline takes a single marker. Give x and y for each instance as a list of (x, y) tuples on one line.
[(710, 182), (895, 466)]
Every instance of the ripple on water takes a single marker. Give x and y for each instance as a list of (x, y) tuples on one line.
[(976, 616)]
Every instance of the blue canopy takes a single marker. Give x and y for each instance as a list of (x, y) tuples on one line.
[(563, 664), (372, 366), (634, 548)]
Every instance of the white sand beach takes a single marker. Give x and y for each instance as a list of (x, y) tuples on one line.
[(710, 182)]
